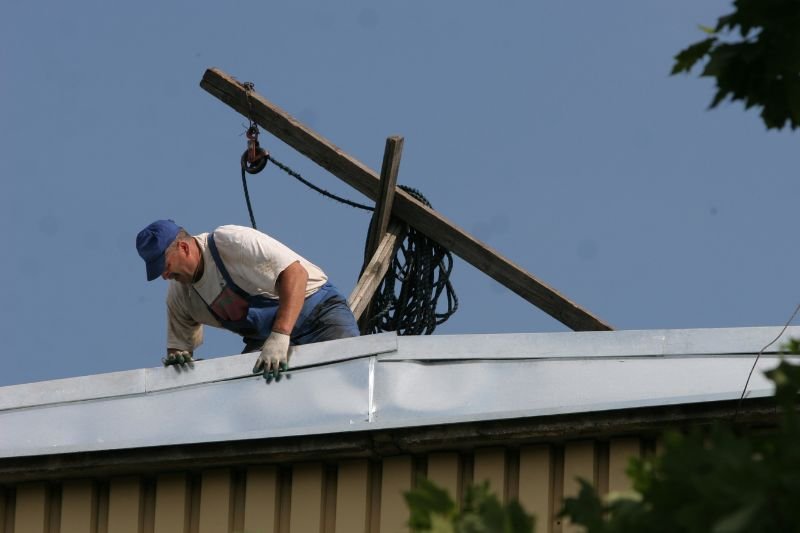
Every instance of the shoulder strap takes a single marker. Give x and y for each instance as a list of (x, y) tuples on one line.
[(212, 246)]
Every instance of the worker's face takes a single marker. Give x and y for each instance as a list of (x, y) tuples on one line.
[(179, 263)]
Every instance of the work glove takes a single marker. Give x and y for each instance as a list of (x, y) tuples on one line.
[(274, 355), (181, 357)]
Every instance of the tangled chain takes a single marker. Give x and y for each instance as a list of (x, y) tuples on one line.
[(407, 298)]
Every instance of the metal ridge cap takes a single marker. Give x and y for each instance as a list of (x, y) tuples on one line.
[(701, 342), (146, 380), (730, 342), (454, 358), (65, 390), (241, 365)]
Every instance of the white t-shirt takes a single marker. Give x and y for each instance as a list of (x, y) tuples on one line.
[(254, 261)]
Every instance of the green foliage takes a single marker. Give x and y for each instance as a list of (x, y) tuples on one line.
[(432, 510), (760, 66), (718, 482), (792, 347)]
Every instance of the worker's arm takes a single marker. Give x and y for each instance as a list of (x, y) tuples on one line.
[(291, 287), (184, 333)]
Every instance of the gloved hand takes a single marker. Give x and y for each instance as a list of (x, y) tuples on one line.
[(274, 355), (179, 357)]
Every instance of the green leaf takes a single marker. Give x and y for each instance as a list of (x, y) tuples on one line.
[(739, 521), (425, 501), (687, 58), (711, 479), (791, 347), (517, 520), (441, 524), (728, 21), (432, 511), (587, 509), (755, 58)]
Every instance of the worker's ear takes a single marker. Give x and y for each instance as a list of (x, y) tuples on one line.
[(184, 247)]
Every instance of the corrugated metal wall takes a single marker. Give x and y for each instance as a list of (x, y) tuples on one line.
[(349, 496)]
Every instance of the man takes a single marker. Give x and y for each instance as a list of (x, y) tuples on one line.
[(242, 280)]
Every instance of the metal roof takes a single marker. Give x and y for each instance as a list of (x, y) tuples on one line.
[(386, 382)]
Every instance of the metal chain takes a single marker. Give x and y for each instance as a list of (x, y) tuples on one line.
[(320, 190), (247, 199), (422, 267), (407, 298), (423, 272), (248, 86)]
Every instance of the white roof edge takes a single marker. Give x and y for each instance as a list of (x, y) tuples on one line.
[(594, 344), (144, 380), (112, 384), (384, 381), (582, 345)]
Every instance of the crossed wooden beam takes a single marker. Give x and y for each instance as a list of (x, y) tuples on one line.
[(394, 209)]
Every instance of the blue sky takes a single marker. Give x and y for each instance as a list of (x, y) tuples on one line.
[(550, 130)]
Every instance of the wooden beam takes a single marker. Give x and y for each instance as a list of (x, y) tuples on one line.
[(383, 207), (375, 270), (405, 207), (381, 215)]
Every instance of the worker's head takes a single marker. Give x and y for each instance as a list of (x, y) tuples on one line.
[(153, 244), (182, 258)]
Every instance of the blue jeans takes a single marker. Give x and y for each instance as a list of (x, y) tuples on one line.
[(330, 319)]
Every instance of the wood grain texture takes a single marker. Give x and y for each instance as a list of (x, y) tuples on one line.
[(535, 484), (490, 465), (78, 507), (172, 503), (261, 499), (352, 496), (307, 498), (579, 462), (124, 505), (4, 512), (375, 270), (388, 184), (380, 217), (405, 207), (620, 452), (32, 513), (216, 501), (396, 479), (443, 470)]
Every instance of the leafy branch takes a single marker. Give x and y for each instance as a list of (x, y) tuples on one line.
[(434, 511), (754, 55)]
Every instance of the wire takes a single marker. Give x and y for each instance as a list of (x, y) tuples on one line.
[(407, 298), (758, 356), (247, 198), (320, 190), (248, 88)]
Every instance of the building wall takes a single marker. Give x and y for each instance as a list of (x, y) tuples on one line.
[(348, 496)]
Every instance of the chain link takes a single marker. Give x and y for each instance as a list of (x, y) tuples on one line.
[(320, 190), (407, 298)]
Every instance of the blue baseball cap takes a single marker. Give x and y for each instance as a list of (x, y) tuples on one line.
[(152, 242)]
